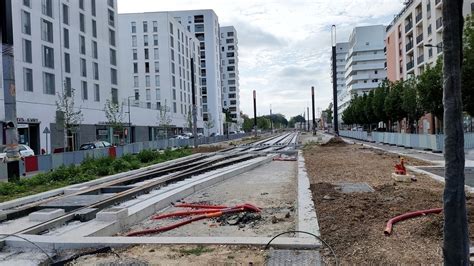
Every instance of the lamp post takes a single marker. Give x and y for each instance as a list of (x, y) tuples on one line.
[(334, 79), (136, 97)]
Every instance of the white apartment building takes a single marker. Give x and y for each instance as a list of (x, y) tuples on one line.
[(205, 25), (418, 24), (155, 70), (60, 46), (230, 73), (343, 96)]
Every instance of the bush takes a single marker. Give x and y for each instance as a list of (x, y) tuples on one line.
[(147, 156)]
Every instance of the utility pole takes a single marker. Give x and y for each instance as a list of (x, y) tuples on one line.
[(334, 79), (193, 94), (314, 116), (255, 111), (9, 91), (456, 234), (307, 108)]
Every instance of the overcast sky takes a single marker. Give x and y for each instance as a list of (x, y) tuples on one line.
[(284, 45)]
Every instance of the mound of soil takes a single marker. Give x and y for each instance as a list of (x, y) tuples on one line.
[(335, 141)]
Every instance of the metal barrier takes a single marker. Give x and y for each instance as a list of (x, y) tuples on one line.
[(362, 135), (44, 163)]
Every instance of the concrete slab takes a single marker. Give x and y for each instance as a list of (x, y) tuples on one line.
[(362, 187), (112, 214), (45, 214), (74, 202), (86, 214), (286, 257), (307, 219)]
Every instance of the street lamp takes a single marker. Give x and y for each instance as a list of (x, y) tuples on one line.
[(136, 97)]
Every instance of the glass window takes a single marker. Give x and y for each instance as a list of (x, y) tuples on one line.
[(95, 70), (94, 50), (48, 83), (157, 55), (25, 22), (94, 28), (172, 41), (157, 67), (46, 31), (134, 41), (174, 107), (82, 45), (111, 18), (47, 7), (27, 3), (146, 53), (82, 22), (48, 57), (67, 63), (171, 28), (81, 4), (27, 54), (112, 37), (85, 95), (155, 39), (135, 68), (148, 94), (110, 3), (65, 14), (135, 54), (114, 95), (147, 81), (113, 76), (147, 67), (155, 26), (96, 93), (145, 26), (93, 8), (113, 57), (157, 81), (136, 83), (83, 68), (66, 38), (28, 79), (145, 40), (68, 87)]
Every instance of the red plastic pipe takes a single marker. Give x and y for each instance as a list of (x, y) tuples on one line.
[(199, 206), (408, 215)]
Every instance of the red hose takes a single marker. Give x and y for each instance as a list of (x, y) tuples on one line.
[(199, 206), (408, 215)]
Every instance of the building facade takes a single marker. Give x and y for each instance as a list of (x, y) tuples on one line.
[(414, 39), (343, 96), (59, 47), (230, 73), (204, 24), (155, 71)]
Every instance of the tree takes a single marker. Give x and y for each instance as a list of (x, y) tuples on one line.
[(378, 103), (248, 123), (296, 119), (456, 235), (468, 66), (188, 120), (411, 102), (164, 119), (209, 123), (114, 114), (369, 109), (393, 107), (430, 90), (67, 115), (263, 123), (329, 112)]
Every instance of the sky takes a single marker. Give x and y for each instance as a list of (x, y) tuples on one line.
[(284, 45)]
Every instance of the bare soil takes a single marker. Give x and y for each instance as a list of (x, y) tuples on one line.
[(178, 255), (353, 224)]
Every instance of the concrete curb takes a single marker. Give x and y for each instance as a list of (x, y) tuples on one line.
[(436, 177)]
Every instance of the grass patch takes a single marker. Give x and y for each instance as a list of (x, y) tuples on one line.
[(197, 251), (89, 169)]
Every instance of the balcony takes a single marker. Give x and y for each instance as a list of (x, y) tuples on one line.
[(437, 2), (439, 23), (419, 38), (410, 65), (409, 46), (439, 47), (418, 17), (408, 26), (420, 59)]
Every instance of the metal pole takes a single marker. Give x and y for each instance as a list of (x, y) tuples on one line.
[(193, 94), (255, 111), (308, 118), (334, 80), (314, 116), (271, 119)]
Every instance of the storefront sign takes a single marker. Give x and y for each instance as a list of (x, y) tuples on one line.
[(27, 120)]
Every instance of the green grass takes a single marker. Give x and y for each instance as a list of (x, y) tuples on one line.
[(89, 169), (197, 251)]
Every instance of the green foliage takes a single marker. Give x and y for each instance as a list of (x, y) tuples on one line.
[(378, 102), (146, 156), (296, 119), (393, 102), (411, 101), (430, 89)]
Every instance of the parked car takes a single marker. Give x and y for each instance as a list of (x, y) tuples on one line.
[(24, 150), (95, 145), (232, 132)]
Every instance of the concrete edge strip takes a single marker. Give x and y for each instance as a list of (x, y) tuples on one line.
[(59, 191), (63, 243), (436, 177), (307, 218)]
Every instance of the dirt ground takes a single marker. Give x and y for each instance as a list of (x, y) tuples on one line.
[(353, 223), (178, 255)]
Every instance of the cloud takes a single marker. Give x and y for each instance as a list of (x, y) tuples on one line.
[(252, 36)]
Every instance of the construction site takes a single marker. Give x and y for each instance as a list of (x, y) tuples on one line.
[(284, 199)]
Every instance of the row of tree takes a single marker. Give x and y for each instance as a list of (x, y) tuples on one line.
[(264, 122)]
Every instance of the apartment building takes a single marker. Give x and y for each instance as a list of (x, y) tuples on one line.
[(155, 71), (230, 73), (61, 46), (343, 96), (204, 24), (414, 38)]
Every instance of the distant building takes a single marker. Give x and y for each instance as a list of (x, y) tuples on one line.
[(343, 96), (230, 72)]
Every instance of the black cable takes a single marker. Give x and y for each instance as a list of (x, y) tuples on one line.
[(29, 241), (308, 233)]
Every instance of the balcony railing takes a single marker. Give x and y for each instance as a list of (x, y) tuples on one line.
[(439, 47), (418, 17), (408, 26), (408, 46), (410, 65), (420, 59), (439, 22), (437, 2), (419, 38)]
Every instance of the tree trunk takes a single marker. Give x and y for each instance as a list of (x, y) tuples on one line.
[(456, 235)]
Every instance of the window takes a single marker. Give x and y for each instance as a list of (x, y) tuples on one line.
[(25, 22), (93, 8), (94, 28), (46, 31), (135, 68), (155, 39), (114, 93), (136, 84), (157, 67), (48, 57), (82, 45), (81, 4), (145, 40), (376, 72), (148, 94), (173, 81), (82, 22), (145, 26), (229, 41), (94, 50), (155, 26), (134, 54), (113, 76), (67, 63), (146, 53), (66, 38), (84, 90), (27, 55), (47, 7), (48, 83), (68, 87), (96, 93), (27, 3), (174, 107), (157, 81), (199, 28), (147, 67), (111, 18), (113, 57), (134, 41), (171, 28), (157, 55), (171, 41), (83, 68), (95, 70), (28, 79), (147, 81), (112, 37), (172, 54), (110, 3), (65, 14), (230, 34)]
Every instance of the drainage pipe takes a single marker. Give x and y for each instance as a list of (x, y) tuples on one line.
[(408, 215)]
